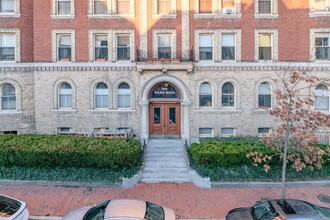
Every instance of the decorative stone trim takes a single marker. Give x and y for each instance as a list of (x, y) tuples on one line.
[(56, 32), (185, 28), (17, 11), (218, 11), (155, 33), (55, 14), (274, 10), (312, 35), (17, 33), (274, 41)]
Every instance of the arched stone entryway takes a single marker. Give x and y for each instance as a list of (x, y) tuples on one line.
[(145, 100)]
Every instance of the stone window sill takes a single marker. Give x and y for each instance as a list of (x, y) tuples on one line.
[(8, 112), (97, 16), (164, 15), (217, 15), (266, 16), (62, 16), (319, 14), (9, 15)]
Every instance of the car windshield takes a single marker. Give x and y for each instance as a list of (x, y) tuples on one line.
[(8, 206), (264, 211), (322, 212), (97, 212), (154, 212)]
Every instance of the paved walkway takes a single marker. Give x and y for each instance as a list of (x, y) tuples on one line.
[(188, 200)]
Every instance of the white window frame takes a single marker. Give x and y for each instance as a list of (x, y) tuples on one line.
[(313, 32), (95, 95), (56, 95), (218, 11), (18, 93), (238, 43), (130, 95), (91, 37), (111, 10), (274, 44), (206, 135), (274, 10), (8, 96), (17, 35), (155, 34), (234, 94), (56, 15), (155, 9), (212, 96), (16, 13), (228, 135), (271, 95), (260, 134), (131, 34), (314, 13), (326, 96), (55, 34)]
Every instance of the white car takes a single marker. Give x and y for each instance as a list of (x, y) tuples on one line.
[(13, 209), (122, 209)]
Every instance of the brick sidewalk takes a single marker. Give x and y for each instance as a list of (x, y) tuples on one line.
[(188, 200)]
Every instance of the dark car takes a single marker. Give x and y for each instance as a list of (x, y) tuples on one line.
[(288, 209)]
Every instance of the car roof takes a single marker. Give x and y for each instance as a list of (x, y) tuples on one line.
[(125, 208)]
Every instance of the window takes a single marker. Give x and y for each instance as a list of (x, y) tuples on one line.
[(265, 47), (265, 6), (123, 47), (64, 129), (123, 6), (205, 6), (265, 95), (264, 131), (101, 47), (8, 132), (7, 6), (8, 97), (164, 6), (228, 6), (64, 47), (227, 132), (321, 97), (205, 132), (321, 5), (7, 47), (65, 96), (124, 96), (164, 46), (205, 95), (63, 7), (101, 96), (205, 47), (322, 46), (100, 6), (228, 46), (228, 95)]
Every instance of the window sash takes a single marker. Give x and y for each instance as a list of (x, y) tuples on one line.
[(228, 100), (7, 6), (101, 101), (265, 6), (205, 131), (227, 131), (265, 53), (7, 53), (205, 100), (164, 6), (322, 103), (65, 101), (8, 102), (205, 53), (124, 101), (263, 131), (63, 7), (265, 101), (228, 53), (228, 3), (321, 5), (205, 6), (123, 6), (100, 6), (164, 52)]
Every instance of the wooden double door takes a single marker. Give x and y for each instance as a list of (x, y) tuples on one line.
[(164, 119)]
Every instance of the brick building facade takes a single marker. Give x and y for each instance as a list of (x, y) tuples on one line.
[(177, 68)]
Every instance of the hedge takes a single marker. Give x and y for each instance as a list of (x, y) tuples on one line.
[(68, 151)]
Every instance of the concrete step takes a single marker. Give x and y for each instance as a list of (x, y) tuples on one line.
[(165, 165), (166, 170), (167, 160), (164, 155), (160, 180), (165, 175)]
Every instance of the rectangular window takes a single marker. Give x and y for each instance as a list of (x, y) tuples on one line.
[(63, 7), (206, 132), (7, 47), (205, 47), (8, 132), (101, 129), (64, 129), (265, 47), (64, 47), (265, 131), (123, 6), (228, 46), (322, 46), (164, 6), (228, 3), (227, 132), (123, 47), (101, 47), (321, 5), (7, 6), (205, 6), (164, 46), (265, 6), (100, 6)]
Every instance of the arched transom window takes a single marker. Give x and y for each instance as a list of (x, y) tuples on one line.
[(8, 97), (205, 94), (65, 95), (228, 95), (124, 96), (321, 97), (101, 96), (265, 95)]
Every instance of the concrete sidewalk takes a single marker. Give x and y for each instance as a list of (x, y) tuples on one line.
[(187, 200)]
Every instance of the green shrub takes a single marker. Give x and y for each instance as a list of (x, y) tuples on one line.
[(68, 151)]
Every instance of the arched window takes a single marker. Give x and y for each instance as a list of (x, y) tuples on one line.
[(124, 96), (321, 97), (8, 97), (205, 94), (228, 95), (101, 96), (65, 96), (265, 95)]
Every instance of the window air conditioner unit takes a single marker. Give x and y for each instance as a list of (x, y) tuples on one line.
[(228, 11)]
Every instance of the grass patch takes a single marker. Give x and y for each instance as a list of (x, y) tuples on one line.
[(68, 174)]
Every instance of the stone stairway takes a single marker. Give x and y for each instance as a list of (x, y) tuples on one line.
[(165, 162)]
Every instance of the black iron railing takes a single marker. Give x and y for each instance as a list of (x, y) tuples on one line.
[(164, 56)]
